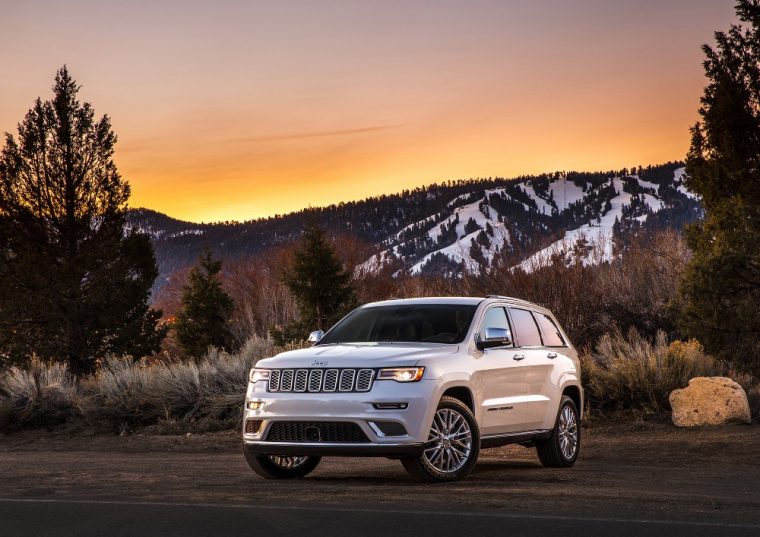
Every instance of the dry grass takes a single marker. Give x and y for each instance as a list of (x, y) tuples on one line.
[(210, 390), (39, 394), (123, 392), (633, 373)]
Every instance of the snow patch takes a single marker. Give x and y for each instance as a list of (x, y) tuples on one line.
[(565, 193), (459, 251), (678, 176), (544, 207), (647, 184), (597, 235)]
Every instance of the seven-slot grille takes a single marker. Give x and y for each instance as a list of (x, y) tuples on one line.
[(321, 380)]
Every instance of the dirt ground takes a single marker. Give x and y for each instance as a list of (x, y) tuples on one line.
[(628, 469)]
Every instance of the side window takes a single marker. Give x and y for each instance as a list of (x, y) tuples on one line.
[(552, 335), (525, 328), (495, 318)]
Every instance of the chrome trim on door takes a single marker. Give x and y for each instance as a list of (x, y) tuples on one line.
[(507, 435)]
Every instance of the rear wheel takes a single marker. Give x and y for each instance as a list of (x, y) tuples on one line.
[(453, 445), (561, 449), (278, 467)]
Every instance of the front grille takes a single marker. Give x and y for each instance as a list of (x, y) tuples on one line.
[(347, 377), (300, 383), (321, 380), (331, 380), (316, 431)]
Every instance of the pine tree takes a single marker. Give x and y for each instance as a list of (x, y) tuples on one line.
[(74, 283), (722, 281), (320, 285), (206, 309)]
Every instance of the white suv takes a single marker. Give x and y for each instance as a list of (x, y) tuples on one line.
[(429, 381)]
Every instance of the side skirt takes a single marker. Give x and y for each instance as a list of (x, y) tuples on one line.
[(497, 440)]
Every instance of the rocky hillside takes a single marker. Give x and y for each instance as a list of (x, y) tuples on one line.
[(462, 225)]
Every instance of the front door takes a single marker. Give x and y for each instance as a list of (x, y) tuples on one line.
[(503, 380)]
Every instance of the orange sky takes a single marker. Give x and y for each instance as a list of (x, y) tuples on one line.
[(236, 109)]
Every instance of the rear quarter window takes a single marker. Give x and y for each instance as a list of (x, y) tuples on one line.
[(552, 335)]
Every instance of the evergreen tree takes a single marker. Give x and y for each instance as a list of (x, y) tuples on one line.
[(206, 308), (320, 285), (471, 226), (74, 284), (722, 281)]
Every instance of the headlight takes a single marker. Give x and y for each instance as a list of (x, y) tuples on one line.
[(259, 374), (401, 374)]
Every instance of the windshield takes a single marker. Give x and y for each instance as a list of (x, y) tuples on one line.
[(423, 323)]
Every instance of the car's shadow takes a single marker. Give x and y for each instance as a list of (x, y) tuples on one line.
[(488, 470)]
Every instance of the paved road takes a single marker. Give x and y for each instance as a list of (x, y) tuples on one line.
[(634, 480), (34, 518)]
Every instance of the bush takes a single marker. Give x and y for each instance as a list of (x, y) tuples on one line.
[(633, 373), (753, 396), (207, 394), (211, 389), (40, 394)]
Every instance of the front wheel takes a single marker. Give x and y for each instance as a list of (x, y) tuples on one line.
[(561, 449), (277, 467), (452, 447)]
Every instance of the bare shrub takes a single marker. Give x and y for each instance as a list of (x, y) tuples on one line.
[(753, 396), (39, 394), (637, 289), (118, 390), (261, 298), (211, 389), (633, 373)]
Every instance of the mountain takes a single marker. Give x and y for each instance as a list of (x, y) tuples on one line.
[(459, 225)]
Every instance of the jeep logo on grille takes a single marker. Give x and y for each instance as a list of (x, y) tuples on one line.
[(319, 363)]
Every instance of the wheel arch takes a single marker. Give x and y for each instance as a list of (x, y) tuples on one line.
[(463, 393), (575, 392)]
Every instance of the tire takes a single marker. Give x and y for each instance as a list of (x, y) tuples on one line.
[(274, 467), (561, 449), (459, 454)]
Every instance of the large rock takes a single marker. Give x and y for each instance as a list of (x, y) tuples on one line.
[(709, 401)]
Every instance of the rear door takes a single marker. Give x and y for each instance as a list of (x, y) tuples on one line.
[(538, 368), (556, 350)]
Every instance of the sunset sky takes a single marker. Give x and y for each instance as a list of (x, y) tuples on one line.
[(239, 109)]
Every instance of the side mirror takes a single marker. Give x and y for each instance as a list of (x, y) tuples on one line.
[(494, 337), (315, 336)]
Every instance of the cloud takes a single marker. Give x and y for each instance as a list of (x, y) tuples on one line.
[(319, 134)]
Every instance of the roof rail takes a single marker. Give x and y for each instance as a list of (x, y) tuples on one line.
[(513, 300)]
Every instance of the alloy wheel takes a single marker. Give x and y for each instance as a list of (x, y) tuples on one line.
[(450, 442), (288, 462), (568, 433)]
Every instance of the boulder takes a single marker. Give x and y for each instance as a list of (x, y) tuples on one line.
[(709, 401)]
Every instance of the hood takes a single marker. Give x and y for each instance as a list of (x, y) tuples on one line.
[(358, 355)]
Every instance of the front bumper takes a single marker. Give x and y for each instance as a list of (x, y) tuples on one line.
[(324, 449), (356, 408)]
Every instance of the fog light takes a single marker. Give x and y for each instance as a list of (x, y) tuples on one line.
[(256, 405), (388, 428), (253, 426), (390, 406)]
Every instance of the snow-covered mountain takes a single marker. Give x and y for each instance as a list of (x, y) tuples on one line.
[(579, 217), (459, 225)]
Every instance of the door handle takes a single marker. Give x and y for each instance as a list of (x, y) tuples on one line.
[(519, 357), (551, 355)]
